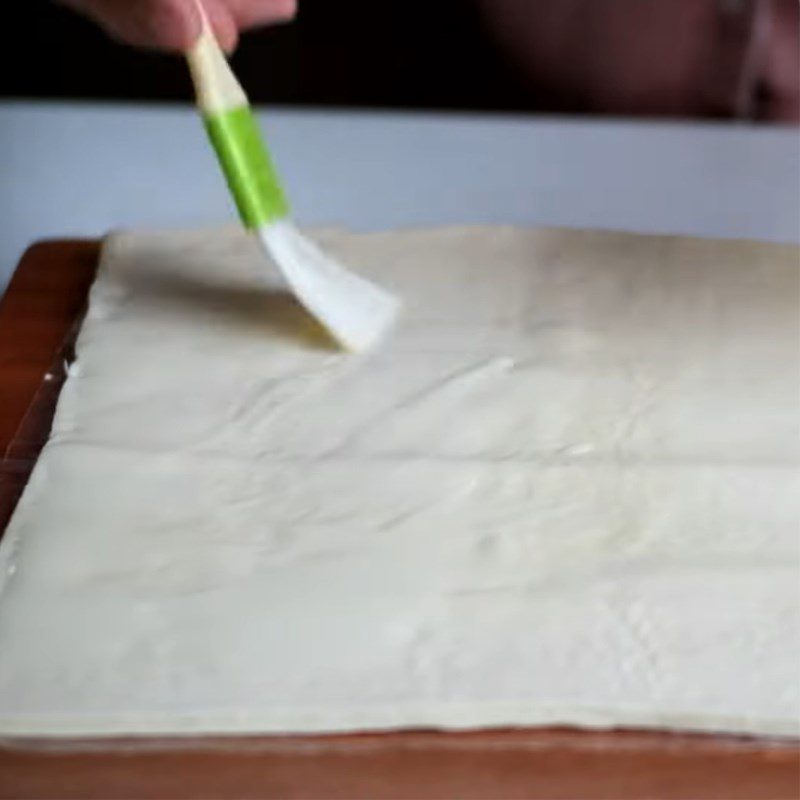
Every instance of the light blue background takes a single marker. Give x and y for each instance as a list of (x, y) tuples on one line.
[(80, 170)]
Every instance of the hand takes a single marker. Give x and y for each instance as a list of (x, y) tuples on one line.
[(175, 24)]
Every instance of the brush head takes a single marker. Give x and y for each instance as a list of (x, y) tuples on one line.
[(354, 311)]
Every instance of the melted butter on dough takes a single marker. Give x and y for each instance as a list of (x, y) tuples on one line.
[(564, 491)]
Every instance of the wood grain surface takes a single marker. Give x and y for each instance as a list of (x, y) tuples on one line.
[(39, 317)]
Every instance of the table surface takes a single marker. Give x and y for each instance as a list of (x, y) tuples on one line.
[(81, 170), (39, 317)]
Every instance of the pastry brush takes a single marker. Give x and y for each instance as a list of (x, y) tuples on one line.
[(353, 310)]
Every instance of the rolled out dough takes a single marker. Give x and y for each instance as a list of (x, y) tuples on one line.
[(565, 491)]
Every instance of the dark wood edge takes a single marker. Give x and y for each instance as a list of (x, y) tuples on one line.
[(419, 765), (39, 317), (40, 314)]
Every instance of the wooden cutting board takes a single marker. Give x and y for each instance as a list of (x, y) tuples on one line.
[(39, 319)]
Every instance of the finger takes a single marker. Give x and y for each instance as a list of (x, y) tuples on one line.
[(252, 13), (222, 23), (162, 24)]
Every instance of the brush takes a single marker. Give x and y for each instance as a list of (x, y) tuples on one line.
[(354, 311)]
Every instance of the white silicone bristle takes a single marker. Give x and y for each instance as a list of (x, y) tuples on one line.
[(354, 311)]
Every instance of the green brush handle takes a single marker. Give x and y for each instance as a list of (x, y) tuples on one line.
[(248, 169), (234, 133)]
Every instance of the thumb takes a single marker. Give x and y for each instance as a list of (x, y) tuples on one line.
[(161, 24)]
